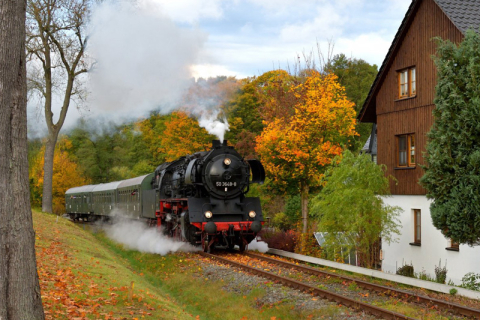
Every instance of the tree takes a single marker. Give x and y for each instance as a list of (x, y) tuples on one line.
[(245, 120), (274, 89), (19, 287), (56, 45), (296, 149), (111, 152), (66, 174), (452, 169), (357, 76), (351, 204), (152, 129), (183, 136)]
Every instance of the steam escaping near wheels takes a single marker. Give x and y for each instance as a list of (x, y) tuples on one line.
[(136, 235), (260, 246)]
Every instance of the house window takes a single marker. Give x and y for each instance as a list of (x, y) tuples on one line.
[(454, 246), (407, 83), (406, 150), (417, 218)]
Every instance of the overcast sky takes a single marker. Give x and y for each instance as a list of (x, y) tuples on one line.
[(249, 37), (147, 51)]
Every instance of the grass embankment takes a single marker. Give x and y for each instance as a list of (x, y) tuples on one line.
[(84, 275), (82, 278)]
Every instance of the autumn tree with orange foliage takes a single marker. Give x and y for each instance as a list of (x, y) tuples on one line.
[(152, 129), (66, 175), (183, 136), (260, 98), (296, 147)]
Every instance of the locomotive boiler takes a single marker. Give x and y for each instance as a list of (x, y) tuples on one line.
[(200, 198)]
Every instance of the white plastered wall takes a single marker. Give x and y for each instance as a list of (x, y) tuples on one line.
[(432, 249)]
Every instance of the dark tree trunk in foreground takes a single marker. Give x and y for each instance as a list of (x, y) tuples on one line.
[(19, 287)]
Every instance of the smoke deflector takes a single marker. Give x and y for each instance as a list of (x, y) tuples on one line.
[(258, 172)]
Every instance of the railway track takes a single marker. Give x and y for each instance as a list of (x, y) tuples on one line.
[(331, 296), (408, 296), (341, 299)]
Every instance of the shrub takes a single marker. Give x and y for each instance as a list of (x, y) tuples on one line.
[(424, 276), (453, 291), (308, 245), (471, 281), (441, 273), (281, 240), (407, 271), (281, 221)]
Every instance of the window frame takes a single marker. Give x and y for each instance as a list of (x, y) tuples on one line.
[(417, 227), (410, 82), (410, 146), (454, 246)]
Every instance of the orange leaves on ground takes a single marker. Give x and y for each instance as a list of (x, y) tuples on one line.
[(69, 293), (58, 284)]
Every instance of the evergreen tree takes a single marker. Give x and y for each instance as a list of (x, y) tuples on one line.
[(452, 171)]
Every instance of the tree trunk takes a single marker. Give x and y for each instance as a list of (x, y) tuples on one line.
[(48, 172), (304, 203), (19, 287)]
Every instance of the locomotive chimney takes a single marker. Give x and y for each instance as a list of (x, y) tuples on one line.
[(218, 144)]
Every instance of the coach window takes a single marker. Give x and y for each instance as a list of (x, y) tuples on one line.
[(417, 226)]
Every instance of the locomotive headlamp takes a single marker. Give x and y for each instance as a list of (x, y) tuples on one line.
[(227, 161), (208, 214), (252, 214)]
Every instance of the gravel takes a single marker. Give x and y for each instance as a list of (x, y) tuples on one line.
[(243, 283)]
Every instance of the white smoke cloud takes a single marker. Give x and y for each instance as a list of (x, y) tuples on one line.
[(258, 245), (137, 235), (214, 126), (143, 63), (143, 59)]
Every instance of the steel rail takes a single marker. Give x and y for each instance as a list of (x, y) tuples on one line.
[(358, 305), (445, 305)]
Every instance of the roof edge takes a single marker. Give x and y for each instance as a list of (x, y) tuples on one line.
[(386, 62)]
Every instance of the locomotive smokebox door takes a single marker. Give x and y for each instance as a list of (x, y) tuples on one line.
[(225, 175)]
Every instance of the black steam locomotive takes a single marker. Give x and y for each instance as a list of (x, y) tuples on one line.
[(199, 198)]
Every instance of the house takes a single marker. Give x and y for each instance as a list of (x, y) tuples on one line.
[(370, 146), (400, 103)]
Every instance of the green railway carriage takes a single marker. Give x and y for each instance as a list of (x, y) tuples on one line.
[(134, 198), (131, 194), (78, 200), (105, 198)]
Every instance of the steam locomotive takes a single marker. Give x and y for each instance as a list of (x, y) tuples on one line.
[(199, 198)]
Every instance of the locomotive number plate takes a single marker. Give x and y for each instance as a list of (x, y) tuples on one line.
[(226, 184)]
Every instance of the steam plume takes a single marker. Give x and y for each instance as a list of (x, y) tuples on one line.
[(256, 245), (142, 59), (137, 235)]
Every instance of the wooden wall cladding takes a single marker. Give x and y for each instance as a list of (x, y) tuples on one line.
[(389, 125), (411, 115)]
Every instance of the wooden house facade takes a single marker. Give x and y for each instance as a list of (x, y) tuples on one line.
[(400, 103)]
